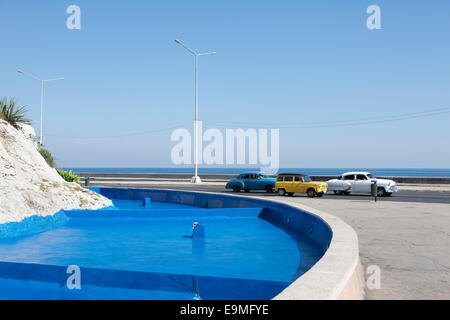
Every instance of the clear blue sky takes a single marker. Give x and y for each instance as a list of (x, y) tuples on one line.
[(278, 62)]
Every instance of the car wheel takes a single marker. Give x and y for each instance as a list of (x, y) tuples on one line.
[(236, 189), (290, 194), (320, 194), (388, 194), (346, 193), (381, 192), (311, 193), (269, 188), (338, 193), (282, 192)]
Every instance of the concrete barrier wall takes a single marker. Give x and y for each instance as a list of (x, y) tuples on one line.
[(413, 180), (225, 177)]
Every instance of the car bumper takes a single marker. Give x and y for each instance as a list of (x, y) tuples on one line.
[(392, 189)]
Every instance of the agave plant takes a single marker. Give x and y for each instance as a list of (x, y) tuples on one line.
[(11, 112)]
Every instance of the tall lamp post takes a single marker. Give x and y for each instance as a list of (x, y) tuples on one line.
[(42, 97), (195, 178)]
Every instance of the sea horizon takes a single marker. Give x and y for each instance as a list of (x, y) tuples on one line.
[(385, 172)]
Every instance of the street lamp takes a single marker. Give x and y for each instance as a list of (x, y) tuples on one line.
[(42, 96), (195, 178)]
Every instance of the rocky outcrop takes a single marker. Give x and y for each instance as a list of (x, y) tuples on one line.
[(28, 186)]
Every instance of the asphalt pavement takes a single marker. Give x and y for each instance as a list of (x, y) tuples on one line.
[(401, 196)]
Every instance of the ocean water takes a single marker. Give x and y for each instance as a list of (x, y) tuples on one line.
[(381, 172)]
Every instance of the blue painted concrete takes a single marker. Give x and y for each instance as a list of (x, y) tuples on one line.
[(167, 213), (198, 232), (12, 289), (142, 253), (247, 248), (276, 213), (147, 203), (151, 282), (32, 225)]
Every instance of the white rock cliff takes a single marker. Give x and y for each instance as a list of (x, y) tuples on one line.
[(29, 186)]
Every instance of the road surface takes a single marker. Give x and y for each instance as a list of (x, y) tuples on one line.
[(402, 196)]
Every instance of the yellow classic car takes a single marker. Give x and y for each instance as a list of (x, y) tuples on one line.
[(290, 183)]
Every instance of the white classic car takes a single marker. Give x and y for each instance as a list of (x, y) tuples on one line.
[(360, 182)]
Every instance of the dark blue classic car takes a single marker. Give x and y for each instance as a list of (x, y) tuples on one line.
[(251, 181)]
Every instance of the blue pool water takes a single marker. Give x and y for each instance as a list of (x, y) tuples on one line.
[(136, 252)]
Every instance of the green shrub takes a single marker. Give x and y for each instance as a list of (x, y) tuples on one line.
[(11, 112), (69, 176), (48, 157)]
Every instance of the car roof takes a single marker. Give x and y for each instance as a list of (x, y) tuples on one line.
[(292, 174), (250, 172), (355, 172)]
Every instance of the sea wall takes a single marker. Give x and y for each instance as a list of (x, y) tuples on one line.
[(133, 177)]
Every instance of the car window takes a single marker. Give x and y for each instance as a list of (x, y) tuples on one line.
[(253, 176), (298, 179), (289, 179), (361, 177), (307, 179), (280, 179), (370, 176), (349, 177), (246, 176)]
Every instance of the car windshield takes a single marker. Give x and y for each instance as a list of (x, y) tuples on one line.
[(370, 176), (307, 179)]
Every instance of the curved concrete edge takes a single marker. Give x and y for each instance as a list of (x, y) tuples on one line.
[(338, 274), (354, 290)]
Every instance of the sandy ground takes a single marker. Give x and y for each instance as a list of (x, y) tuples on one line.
[(410, 242)]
